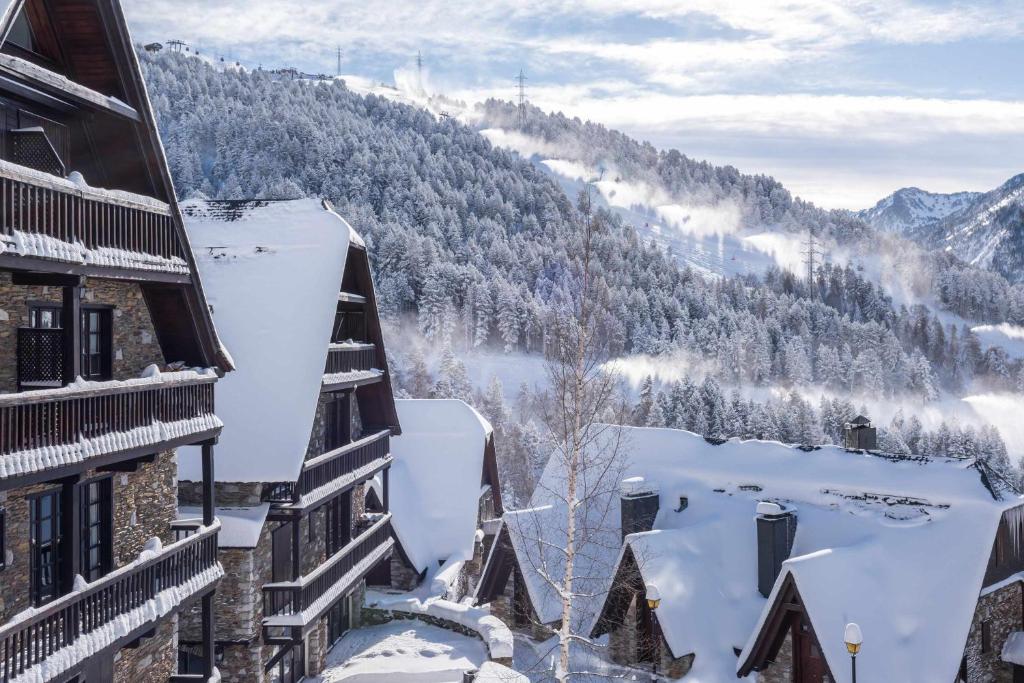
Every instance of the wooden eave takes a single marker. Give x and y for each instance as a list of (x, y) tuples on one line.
[(381, 405), (62, 88), (773, 629), (489, 477)]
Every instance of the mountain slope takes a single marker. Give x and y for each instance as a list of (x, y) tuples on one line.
[(910, 209), (985, 230)]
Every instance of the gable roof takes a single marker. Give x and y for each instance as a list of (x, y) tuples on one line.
[(182, 320), (435, 479), (273, 271), (868, 528)]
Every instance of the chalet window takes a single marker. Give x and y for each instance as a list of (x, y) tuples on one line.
[(97, 528), (339, 619), (21, 33), (46, 561), (349, 325), (44, 317), (339, 421), (97, 356), (986, 637), (281, 566), (288, 665), (338, 527)]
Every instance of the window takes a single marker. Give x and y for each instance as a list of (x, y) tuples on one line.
[(45, 542), (44, 317), (338, 531), (96, 344), (339, 421), (21, 33), (97, 525), (986, 637), (288, 665), (339, 619)]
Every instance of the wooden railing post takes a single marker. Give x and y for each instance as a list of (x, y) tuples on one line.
[(71, 311), (209, 645), (208, 485)]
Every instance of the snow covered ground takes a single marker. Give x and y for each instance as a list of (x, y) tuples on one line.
[(402, 651)]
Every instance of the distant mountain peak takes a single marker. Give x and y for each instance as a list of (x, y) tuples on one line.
[(909, 209), (985, 229)]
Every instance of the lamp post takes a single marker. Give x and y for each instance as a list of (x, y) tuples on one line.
[(853, 640), (653, 600)]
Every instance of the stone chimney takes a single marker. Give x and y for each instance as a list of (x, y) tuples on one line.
[(640, 503), (776, 529)]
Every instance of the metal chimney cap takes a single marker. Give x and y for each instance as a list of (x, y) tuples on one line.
[(636, 486), (768, 509)]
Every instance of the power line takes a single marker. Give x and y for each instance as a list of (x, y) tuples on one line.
[(521, 78)]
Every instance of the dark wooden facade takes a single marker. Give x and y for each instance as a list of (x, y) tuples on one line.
[(788, 621), (72, 99)]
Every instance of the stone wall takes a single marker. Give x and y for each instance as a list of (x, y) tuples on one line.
[(134, 344), (623, 646), (155, 659), (143, 504), (781, 670), (1002, 610)]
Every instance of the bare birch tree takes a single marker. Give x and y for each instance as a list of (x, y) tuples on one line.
[(574, 544)]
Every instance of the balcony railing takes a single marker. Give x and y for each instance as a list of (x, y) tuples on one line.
[(120, 596), (350, 358), (347, 461), (60, 219), (331, 579), (56, 427)]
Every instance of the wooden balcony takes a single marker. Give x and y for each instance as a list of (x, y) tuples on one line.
[(48, 218), (350, 358), (79, 623), (350, 365), (330, 474), (100, 423), (298, 604)]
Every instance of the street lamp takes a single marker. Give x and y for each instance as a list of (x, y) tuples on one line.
[(853, 639), (653, 600)]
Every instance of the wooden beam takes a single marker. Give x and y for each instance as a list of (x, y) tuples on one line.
[(208, 642), (208, 485), (71, 310), (14, 262), (57, 85), (37, 279), (128, 465)]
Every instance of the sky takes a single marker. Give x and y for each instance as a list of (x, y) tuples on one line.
[(843, 101)]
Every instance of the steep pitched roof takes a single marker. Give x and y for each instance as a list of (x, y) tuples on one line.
[(868, 531), (435, 479), (273, 271), (184, 328)]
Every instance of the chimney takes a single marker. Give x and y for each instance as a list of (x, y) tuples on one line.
[(639, 505), (860, 435), (776, 529)]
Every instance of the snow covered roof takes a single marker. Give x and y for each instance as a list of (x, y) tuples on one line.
[(435, 479), (869, 529), (240, 527), (272, 272)]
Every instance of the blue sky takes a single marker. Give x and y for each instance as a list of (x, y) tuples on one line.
[(842, 100)]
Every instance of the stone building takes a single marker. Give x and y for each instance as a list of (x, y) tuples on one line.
[(716, 559), (445, 498), (108, 361), (309, 421)]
